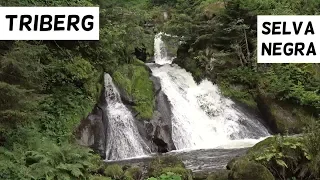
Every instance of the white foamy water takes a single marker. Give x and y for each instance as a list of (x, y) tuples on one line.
[(160, 52), (202, 117), (123, 139)]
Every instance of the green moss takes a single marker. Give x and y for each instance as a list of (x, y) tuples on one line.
[(286, 117), (114, 171), (138, 62), (248, 170), (273, 141), (239, 94), (134, 79), (133, 173)]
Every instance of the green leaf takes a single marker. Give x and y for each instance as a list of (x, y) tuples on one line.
[(281, 163)]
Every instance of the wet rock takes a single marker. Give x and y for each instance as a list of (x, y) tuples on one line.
[(162, 146), (158, 131), (161, 124), (125, 98), (156, 84), (92, 130)]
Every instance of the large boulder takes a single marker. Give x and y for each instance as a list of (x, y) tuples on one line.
[(282, 156), (249, 170)]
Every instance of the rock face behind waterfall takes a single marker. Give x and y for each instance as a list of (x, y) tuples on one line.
[(160, 127), (92, 130)]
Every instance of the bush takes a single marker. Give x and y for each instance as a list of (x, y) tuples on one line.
[(167, 176), (133, 173), (114, 171), (285, 157), (46, 160), (312, 141), (99, 178), (168, 164)]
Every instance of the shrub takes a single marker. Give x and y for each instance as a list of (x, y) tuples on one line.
[(46, 160), (167, 176), (169, 164), (114, 171), (133, 173), (285, 157)]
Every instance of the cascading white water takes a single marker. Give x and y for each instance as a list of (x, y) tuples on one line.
[(160, 52), (202, 117), (123, 139)]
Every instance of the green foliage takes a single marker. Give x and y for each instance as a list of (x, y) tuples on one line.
[(132, 173), (99, 178), (312, 142), (45, 160), (297, 83), (114, 171), (134, 79), (167, 176), (168, 165), (285, 157)]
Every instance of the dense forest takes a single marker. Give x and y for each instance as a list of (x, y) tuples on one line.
[(48, 87)]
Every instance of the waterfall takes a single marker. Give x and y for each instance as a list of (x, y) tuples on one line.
[(123, 138), (202, 117), (160, 52)]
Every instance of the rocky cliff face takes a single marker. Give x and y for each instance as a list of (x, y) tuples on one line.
[(160, 127), (283, 117), (92, 132)]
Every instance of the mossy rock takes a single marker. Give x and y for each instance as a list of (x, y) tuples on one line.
[(283, 117), (272, 141), (249, 170), (133, 80), (172, 164), (199, 175), (234, 160), (114, 171), (277, 153), (133, 173), (261, 145), (219, 175)]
